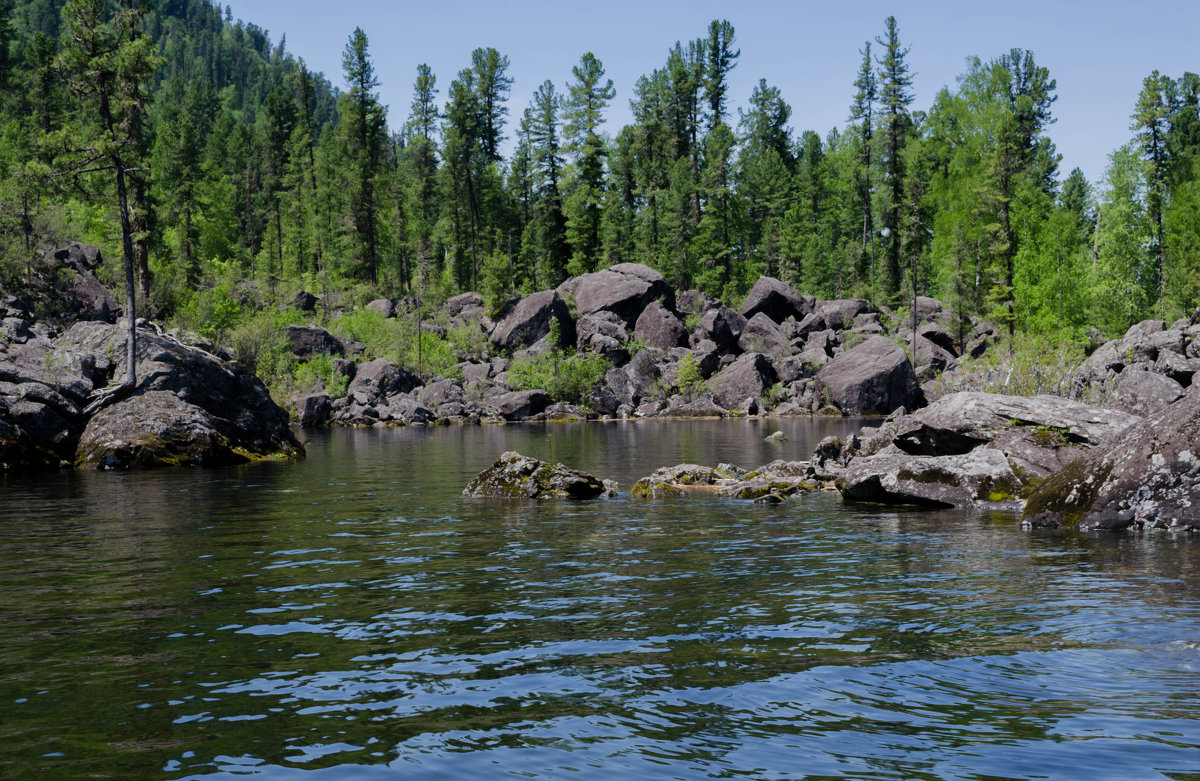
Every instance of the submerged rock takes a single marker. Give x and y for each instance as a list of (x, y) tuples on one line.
[(515, 476), (771, 482)]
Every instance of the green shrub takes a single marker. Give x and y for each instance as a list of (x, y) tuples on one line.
[(566, 376), (690, 381), (1029, 366), (428, 355), (319, 371)]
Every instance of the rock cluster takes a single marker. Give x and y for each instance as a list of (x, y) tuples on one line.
[(189, 406), (1148, 475), (1147, 369), (967, 449), (782, 352)]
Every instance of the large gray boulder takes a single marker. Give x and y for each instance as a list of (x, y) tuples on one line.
[(658, 327), (1038, 434), (635, 381), (840, 313), (189, 407), (307, 342), (1142, 391), (376, 379), (514, 476), (762, 335), (979, 478), (624, 289), (603, 333), (873, 378), (748, 377), (723, 327), (776, 300), (1147, 475), (519, 405), (529, 322), (971, 449)]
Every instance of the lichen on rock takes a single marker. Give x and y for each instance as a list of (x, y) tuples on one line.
[(514, 476)]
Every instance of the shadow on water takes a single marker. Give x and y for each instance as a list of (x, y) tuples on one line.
[(353, 616)]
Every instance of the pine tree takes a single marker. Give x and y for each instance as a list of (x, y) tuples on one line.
[(108, 63), (583, 111), (895, 97), (362, 131)]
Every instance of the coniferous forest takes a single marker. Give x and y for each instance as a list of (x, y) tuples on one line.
[(221, 164)]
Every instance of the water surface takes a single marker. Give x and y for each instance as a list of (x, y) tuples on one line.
[(352, 616)]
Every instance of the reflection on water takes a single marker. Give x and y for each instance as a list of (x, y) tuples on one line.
[(352, 616)]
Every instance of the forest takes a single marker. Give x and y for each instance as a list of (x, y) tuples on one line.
[(245, 177)]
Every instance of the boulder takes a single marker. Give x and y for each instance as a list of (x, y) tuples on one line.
[(603, 333), (379, 378), (722, 326), (79, 256), (674, 480), (702, 406), (1037, 434), (439, 392), (839, 313), (1143, 392), (384, 306), (188, 407), (624, 289), (563, 412), (515, 476), (871, 379), (87, 299), (314, 409), (811, 324), (762, 335), (979, 478), (927, 309), (529, 322), (303, 301), (308, 341), (748, 377), (636, 380), (658, 327), (939, 336), (455, 306), (776, 300), (520, 405), (695, 302), (1147, 475)]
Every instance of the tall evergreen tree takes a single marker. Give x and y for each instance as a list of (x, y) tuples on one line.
[(583, 111), (362, 126), (108, 62), (895, 96)]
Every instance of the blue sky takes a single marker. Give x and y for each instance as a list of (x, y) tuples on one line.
[(1098, 52)]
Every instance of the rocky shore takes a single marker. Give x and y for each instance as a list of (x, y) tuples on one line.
[(1119, 450)]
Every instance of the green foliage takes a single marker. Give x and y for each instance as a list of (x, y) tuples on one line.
[(319, 371), (566, 376), (690, 380), (1029, 366), (212, 313), (253, 179)]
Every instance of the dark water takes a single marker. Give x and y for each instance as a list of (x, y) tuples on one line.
[(353, 617)]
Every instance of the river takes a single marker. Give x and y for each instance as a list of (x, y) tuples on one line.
[(352, 616)]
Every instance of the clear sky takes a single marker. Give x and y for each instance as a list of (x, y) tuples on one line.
[(1099, 52)]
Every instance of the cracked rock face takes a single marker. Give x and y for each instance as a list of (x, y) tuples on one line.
[(1146, 476)]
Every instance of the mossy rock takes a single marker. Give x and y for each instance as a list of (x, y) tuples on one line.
[(514, 476)]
